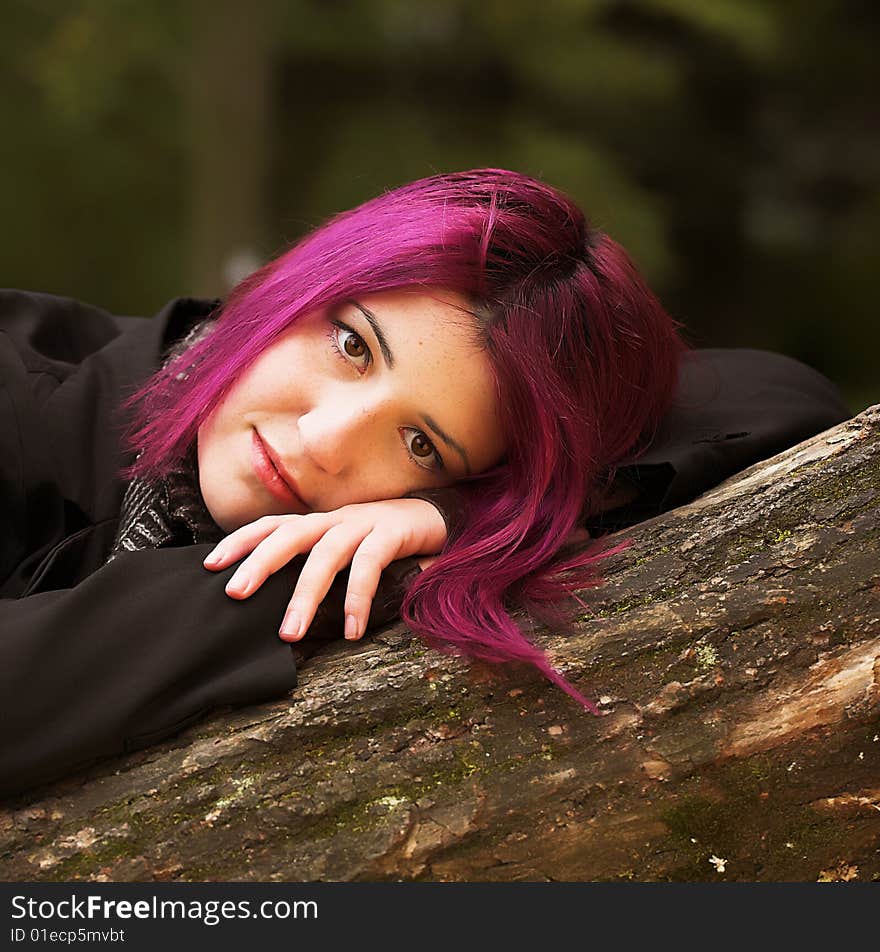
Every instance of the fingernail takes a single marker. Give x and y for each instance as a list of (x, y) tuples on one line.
[(212, 558), (291, 627), (351, 627), (238, 584)]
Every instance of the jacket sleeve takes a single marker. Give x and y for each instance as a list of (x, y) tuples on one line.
[(143, 648), (136, 651)]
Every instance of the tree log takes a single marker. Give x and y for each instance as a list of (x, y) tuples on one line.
[(735, 654)]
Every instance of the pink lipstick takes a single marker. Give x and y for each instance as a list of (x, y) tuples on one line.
[(269, 475)]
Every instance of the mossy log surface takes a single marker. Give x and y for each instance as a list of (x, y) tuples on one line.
[(735, 654)]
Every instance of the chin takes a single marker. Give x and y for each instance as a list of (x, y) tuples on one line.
[(225, 520), (230, 513)]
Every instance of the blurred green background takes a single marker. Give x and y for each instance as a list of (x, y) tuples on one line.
[(152, 149)]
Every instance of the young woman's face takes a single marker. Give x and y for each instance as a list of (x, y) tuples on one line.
[(367, 401)]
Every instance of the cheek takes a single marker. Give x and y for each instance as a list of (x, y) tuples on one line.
[(209, 441), (249, 392), (274, 380), (287, 372), (212, 430)]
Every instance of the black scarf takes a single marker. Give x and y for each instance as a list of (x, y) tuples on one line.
[(170, 510)]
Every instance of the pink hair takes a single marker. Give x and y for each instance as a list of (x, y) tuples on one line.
[(585, 358)]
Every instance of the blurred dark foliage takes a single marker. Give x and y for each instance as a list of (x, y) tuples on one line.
[(153, 149)]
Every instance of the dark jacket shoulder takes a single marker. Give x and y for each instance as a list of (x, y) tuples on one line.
[(733, 408)]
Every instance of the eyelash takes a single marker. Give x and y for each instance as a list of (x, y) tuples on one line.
[(337, 326)]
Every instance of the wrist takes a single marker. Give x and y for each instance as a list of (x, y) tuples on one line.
[(449, 502)]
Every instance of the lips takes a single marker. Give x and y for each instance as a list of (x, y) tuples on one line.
[(272, 474)]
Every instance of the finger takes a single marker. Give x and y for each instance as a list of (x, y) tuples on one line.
[(289, 539), (367, 565), (328, 557), (238, 543)]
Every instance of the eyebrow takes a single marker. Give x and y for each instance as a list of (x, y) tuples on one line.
[(388, 356)]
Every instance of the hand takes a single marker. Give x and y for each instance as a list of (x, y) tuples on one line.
[(368, 535)]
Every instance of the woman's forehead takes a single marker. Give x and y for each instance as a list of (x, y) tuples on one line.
[(438, 309), (434, 357), (416, 330)]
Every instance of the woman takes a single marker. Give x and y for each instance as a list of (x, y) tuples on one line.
[(413, 411)]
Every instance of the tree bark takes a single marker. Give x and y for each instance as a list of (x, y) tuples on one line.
[(735, 654)]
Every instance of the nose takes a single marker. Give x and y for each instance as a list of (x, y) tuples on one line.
[(338, 433)]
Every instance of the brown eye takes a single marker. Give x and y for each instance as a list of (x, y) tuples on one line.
[(354, 346), (349, 346), (422, 447), (421, 450)]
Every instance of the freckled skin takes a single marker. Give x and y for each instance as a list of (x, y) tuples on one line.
[(349, 429)]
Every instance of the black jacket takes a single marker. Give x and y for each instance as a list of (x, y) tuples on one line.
[(98, 659), (733, 407)]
